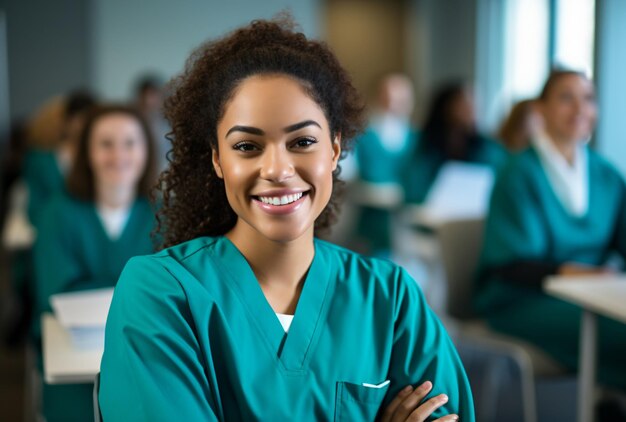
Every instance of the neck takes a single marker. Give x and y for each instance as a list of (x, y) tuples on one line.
[(115, 196), (280, 267)]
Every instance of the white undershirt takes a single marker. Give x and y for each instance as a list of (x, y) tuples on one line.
[(570, 182), (392, 131), (113, 219), (285, 321)]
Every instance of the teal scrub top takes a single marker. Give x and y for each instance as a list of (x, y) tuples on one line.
[(190, 336), (378, 164), (73, 252), (44, 180), (427, 162), (527, 223)]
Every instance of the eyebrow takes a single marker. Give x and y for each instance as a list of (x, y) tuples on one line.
[(256, 131)]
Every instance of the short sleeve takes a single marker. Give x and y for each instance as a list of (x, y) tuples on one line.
[(422, 351), (152, 366)]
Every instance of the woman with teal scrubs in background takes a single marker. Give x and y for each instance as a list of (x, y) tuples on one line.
[(383, 153), (448, 134), (87, 236), (45, 171), (557, 208), (246, 315)]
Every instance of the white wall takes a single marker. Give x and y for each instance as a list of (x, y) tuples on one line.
[(133, 37)]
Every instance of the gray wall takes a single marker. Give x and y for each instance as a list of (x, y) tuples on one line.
[(48, 50), (132, 37), (447, 44), (56, 46)]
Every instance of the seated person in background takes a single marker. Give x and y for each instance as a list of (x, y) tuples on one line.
[(45, 170), (383, 153), (449, 133), (149, 99), (246, 315), (87, 236), (521, 125), (556, 208)]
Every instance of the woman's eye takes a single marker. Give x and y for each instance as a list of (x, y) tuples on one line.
[(244, 146), (304, 142)]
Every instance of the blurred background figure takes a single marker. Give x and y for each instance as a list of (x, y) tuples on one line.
[(521, 125), (40, 156), (87, 235), (149, 96), (449, 134), (383, 153), (557, 209), (45, 169)]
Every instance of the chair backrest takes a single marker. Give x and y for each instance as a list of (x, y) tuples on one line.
[(97, 416), (460, 243)]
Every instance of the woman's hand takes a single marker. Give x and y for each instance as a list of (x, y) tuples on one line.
[(574, 268), (406, 406)]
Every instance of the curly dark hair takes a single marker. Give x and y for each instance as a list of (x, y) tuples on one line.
[(193, 197)]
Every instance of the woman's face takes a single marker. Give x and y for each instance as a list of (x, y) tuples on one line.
[(276, 157), (569, 110), (118, 151)]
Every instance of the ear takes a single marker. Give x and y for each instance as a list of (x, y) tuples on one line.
[(215, 158), (336, 150)]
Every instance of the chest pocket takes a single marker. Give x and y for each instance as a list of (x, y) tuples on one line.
[(356, 402)]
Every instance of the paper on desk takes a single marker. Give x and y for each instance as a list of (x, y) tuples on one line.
[(461, 190), (82, 309)]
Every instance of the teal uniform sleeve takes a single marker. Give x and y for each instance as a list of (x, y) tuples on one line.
[(36, 192), (423, 351), (619, 241), (514, 229), (57, 266), (152, 365)]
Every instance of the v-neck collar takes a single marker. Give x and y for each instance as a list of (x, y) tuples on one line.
[(290, 349), (129, 222), (552, 194)]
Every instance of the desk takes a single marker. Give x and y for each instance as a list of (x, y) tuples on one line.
[(596, 295), (62, 363)]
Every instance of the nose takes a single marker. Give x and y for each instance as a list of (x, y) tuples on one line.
[(276, 164)]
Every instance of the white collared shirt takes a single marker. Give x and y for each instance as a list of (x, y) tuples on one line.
[(570, 182)]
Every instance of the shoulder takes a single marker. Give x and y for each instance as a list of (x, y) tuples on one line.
[(368, 274), (168, 264), (603, 167), (63, 207)]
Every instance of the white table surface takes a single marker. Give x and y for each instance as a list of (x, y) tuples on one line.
[(62, 363), (603, 295)]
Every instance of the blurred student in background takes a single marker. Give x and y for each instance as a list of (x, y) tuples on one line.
[(557, 208), (149, 100), (449, 133), (45, 170), (383, 153), (87, 236), (521, 125)]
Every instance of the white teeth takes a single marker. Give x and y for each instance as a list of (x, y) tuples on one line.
[(280, 200)]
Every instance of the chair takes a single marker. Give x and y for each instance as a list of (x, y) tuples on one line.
[(460, 243), (97, 416)]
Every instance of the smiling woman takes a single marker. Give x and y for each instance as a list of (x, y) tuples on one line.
[(245, 315)]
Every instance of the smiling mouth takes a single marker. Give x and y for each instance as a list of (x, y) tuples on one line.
[(280, 200)]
